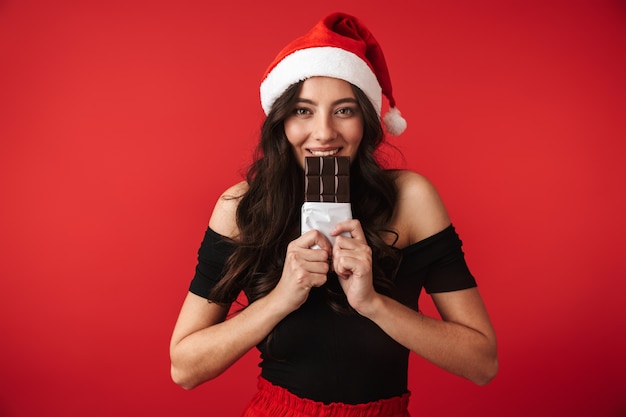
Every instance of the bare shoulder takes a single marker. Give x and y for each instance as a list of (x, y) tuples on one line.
[(224, 217), (420, 212)]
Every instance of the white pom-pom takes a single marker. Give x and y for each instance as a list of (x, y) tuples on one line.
[(394, 122)]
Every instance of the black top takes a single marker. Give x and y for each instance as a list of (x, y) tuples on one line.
[(326, 356)]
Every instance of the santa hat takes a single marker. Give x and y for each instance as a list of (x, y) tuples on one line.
[(339, 46)]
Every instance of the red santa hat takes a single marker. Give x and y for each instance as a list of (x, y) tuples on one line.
[(338, 46)]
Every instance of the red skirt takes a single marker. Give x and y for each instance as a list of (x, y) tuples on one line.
[(274, 401)]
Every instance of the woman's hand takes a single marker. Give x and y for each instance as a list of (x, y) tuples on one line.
[(352, 261), (304, 268)]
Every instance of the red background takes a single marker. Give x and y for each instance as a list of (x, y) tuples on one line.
[(121, 122)]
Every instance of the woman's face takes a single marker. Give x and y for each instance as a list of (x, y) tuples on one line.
[(325, 121)]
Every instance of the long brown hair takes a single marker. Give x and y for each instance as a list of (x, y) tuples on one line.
[(268, 214)]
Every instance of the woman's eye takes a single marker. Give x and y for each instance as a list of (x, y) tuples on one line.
[(346, 111), (300, 111)]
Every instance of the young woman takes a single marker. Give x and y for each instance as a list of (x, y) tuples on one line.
[(334, 323)]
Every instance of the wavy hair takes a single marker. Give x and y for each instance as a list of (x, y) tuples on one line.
[(268, 214)]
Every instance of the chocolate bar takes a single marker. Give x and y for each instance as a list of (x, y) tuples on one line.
[(326, 194), (327, 179)]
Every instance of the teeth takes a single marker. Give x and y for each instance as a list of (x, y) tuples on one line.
[(325, 153)]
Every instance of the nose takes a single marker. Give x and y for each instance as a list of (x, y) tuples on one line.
[(324, 129)]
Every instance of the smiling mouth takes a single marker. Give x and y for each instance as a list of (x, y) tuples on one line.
[(324, 152)]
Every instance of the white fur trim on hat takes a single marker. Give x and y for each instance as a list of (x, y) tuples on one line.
[(326, 61)]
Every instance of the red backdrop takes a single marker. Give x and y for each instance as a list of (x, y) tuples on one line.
[(121, 122)]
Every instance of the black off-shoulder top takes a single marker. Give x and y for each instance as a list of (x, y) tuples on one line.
[(326, 356)]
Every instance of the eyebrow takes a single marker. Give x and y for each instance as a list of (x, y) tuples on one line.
[(334, 103)]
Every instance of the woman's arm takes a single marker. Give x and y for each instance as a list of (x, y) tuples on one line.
[(204, 343), (463, 341)]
